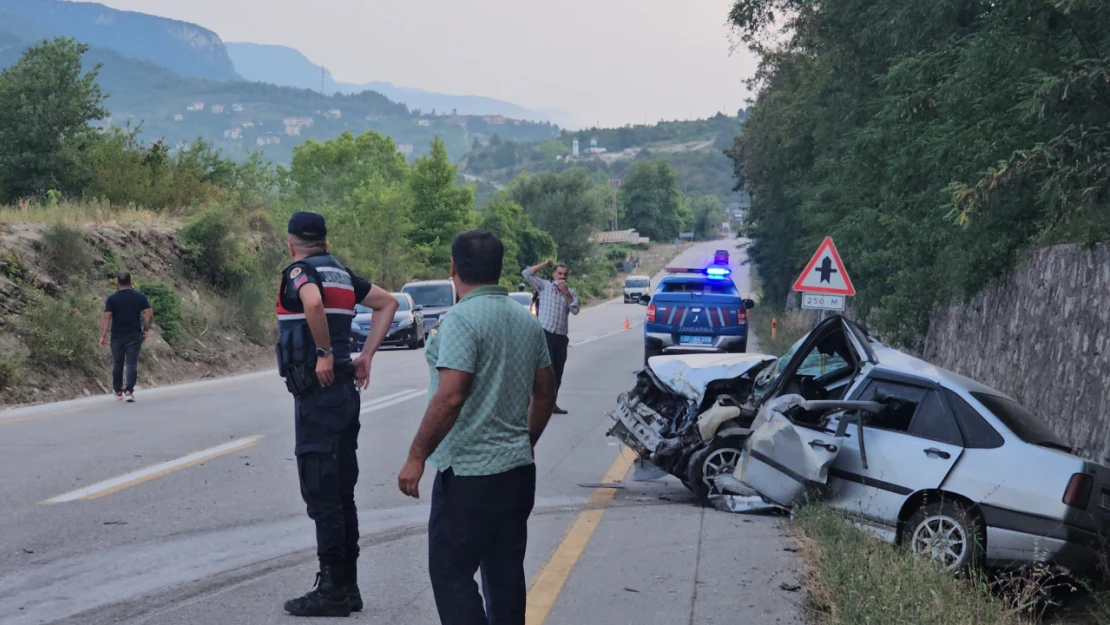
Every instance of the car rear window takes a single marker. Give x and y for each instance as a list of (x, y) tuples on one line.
[(1020, 421), (712, 287), (437, 296)]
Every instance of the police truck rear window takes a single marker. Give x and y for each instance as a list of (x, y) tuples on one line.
[(723, 287)]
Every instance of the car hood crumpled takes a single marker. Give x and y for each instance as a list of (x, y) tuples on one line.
[(689, 374)]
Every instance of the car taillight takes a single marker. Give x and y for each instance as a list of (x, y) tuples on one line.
[(651, 313), (741, 316), (1078, 492)]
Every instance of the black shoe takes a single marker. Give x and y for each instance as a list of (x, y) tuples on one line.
[(558, 410), (325, 599), (354, 597)]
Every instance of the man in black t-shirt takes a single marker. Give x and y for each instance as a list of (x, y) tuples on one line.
[(127, 312)]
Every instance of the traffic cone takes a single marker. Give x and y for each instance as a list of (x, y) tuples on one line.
[(626, 324)]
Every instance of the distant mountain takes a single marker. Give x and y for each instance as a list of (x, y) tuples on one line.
[(281, 65), (240, 117), (184, 48)]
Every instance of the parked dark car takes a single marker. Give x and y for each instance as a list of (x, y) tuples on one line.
[(407, 328), (436, 296)]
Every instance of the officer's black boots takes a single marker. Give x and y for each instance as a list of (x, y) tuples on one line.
[(353, 595), (327, 598)]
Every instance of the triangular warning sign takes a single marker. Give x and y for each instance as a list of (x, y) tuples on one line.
[(825, 273)]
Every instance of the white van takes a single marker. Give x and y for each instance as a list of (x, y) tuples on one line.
[(634, 287)]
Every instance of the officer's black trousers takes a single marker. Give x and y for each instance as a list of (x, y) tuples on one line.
[(480, 522), (327, 465)]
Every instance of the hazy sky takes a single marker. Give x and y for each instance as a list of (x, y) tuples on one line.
[(613, 61)]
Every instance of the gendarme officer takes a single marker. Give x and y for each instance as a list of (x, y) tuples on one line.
[(316, 303)]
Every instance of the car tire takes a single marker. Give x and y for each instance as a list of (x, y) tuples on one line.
[(946, 524), (651, 352), (722, 455)]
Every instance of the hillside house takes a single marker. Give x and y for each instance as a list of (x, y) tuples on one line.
[(238, 108), (494, 120), (423, 122), (233, 133), (248, 124), (178, 117), (195, 107), (306, 122), (405, 148), (293, 130), (217, 109), (334, 114), (268, 140)]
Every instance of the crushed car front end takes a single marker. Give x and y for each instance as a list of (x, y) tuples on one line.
[(680, 403)]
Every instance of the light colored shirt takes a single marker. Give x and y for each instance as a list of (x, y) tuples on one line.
[(554, 309), (500, 344)]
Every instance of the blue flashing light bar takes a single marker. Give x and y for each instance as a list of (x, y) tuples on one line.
[(715, 272)]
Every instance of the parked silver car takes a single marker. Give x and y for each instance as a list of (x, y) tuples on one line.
[(916, 454)]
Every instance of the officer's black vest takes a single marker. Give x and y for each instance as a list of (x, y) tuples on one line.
[(296, 346)]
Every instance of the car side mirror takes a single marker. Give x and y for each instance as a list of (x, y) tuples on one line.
[(749, 304), (418, 308), (645, 300)]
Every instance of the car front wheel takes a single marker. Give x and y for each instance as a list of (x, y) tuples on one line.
[(721, 457), (946, 532)]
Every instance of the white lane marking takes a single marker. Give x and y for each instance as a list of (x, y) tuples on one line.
[(375, 406), (378, 400), (135, 477), (606, 335)]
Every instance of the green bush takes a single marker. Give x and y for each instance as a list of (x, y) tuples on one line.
[(167, 309), (9, 370), (62, 332), (112, 265), (13, 267), (65, 254), (212, 253)]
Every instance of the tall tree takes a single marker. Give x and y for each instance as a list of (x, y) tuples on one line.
[(374, 232), (707, 214), (441, 209), (525, 244), (46, 105), (563, 206), (326, 173), (651, 200)]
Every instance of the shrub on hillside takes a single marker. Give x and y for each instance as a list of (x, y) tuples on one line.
[(64, 253), (167, 309), (9, 370), (62, 332), (212, 253)]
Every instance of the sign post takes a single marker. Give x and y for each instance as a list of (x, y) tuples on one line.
[(824, 283)]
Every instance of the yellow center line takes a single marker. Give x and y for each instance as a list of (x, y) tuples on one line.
[(552, 576), (127, 480)]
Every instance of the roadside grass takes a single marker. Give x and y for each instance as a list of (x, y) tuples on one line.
[(852, 578), (77, 213)]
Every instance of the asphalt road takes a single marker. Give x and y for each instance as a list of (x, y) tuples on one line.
[(184, 507)]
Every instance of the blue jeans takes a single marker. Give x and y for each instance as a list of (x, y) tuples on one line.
[(125, 349)]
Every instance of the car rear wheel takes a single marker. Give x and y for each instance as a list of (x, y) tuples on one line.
[(721, 457), (946, 532)]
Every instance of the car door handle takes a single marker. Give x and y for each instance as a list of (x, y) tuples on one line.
[(829, 447), (933, 451)]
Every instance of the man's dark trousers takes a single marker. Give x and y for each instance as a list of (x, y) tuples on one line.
[(480, 522), (557, 349), (125, 349), (327, 429)]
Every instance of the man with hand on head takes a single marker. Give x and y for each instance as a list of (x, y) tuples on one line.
[(316, 303), (491, 394), (557, 302)]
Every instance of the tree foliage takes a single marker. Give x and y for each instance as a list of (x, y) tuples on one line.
[(651, 200), (46, 104), (933, 139), (563, 206), (440, 208)]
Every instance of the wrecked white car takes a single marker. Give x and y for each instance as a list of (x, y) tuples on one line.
[(917, 455)]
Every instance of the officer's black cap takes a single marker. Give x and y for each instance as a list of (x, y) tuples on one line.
[(308, 226)]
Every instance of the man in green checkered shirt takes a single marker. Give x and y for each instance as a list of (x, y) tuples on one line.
[(491, 395)]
